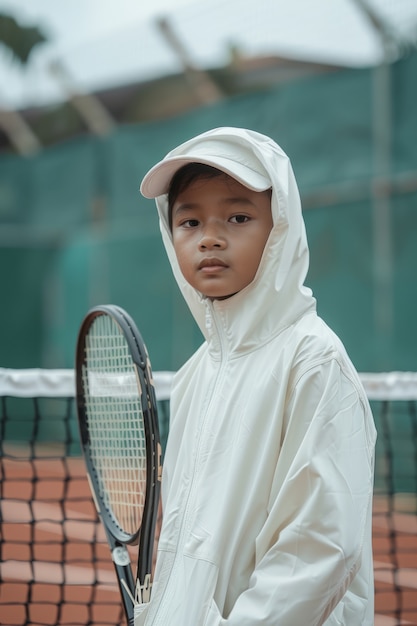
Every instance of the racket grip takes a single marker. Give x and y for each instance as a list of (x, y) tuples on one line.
[(131, 621)]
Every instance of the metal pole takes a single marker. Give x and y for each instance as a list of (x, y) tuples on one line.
[(19, 132), (381, 187), (382, 227), (204, 87)]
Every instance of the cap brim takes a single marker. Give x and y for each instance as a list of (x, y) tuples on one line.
[(157, 180)]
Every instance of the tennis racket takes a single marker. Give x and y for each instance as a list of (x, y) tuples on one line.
[(118, 424)]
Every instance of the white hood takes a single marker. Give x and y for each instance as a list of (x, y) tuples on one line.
[(278, 290)]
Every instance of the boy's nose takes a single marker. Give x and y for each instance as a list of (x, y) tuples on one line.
[(209, 241), (212, 237)]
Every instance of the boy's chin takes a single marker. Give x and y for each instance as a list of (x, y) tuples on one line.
[(222, 297)]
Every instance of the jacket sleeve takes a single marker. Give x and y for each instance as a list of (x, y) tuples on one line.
[(310, 547)]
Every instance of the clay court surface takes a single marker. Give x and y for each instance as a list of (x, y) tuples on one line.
[(55, 565)]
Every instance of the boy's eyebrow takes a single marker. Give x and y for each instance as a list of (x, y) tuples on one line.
[(184, 206), (240, 199)]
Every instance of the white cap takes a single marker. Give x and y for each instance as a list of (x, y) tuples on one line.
[(238, 161)]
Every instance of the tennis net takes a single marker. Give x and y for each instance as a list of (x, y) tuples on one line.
[(55, 567)]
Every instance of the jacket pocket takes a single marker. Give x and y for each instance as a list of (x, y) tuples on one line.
[(213, 617), (185, 592), (198, 586)]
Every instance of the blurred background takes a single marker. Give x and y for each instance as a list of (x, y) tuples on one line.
[(94, 92)]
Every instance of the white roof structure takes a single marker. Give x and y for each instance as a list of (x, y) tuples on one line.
[(103, 43)]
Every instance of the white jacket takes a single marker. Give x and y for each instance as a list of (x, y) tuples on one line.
[(268, 472)]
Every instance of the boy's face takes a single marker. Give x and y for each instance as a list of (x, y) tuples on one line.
[(219, 231)]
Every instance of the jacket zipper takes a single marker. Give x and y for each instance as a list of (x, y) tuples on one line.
[(161, 614)]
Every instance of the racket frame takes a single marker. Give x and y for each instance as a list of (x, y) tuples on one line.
[(131, 591)]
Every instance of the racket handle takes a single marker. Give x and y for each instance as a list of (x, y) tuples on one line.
[(131, 621)]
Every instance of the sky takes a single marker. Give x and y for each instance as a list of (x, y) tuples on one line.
[(86, 17), (105, 43), (74, 28)]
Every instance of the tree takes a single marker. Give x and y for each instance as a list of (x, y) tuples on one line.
[(19, 40)]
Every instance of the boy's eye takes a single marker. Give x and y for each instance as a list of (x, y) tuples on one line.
[(190, 223), (239, 219)]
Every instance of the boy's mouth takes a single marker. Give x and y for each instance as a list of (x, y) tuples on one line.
[(211, 264)]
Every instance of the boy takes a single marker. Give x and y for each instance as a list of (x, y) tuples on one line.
[(268, 472)]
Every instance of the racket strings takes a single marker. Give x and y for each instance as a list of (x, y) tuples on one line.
[(115, 422)]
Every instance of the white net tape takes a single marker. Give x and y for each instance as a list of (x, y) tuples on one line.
[(60, 383), (390, 385)]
